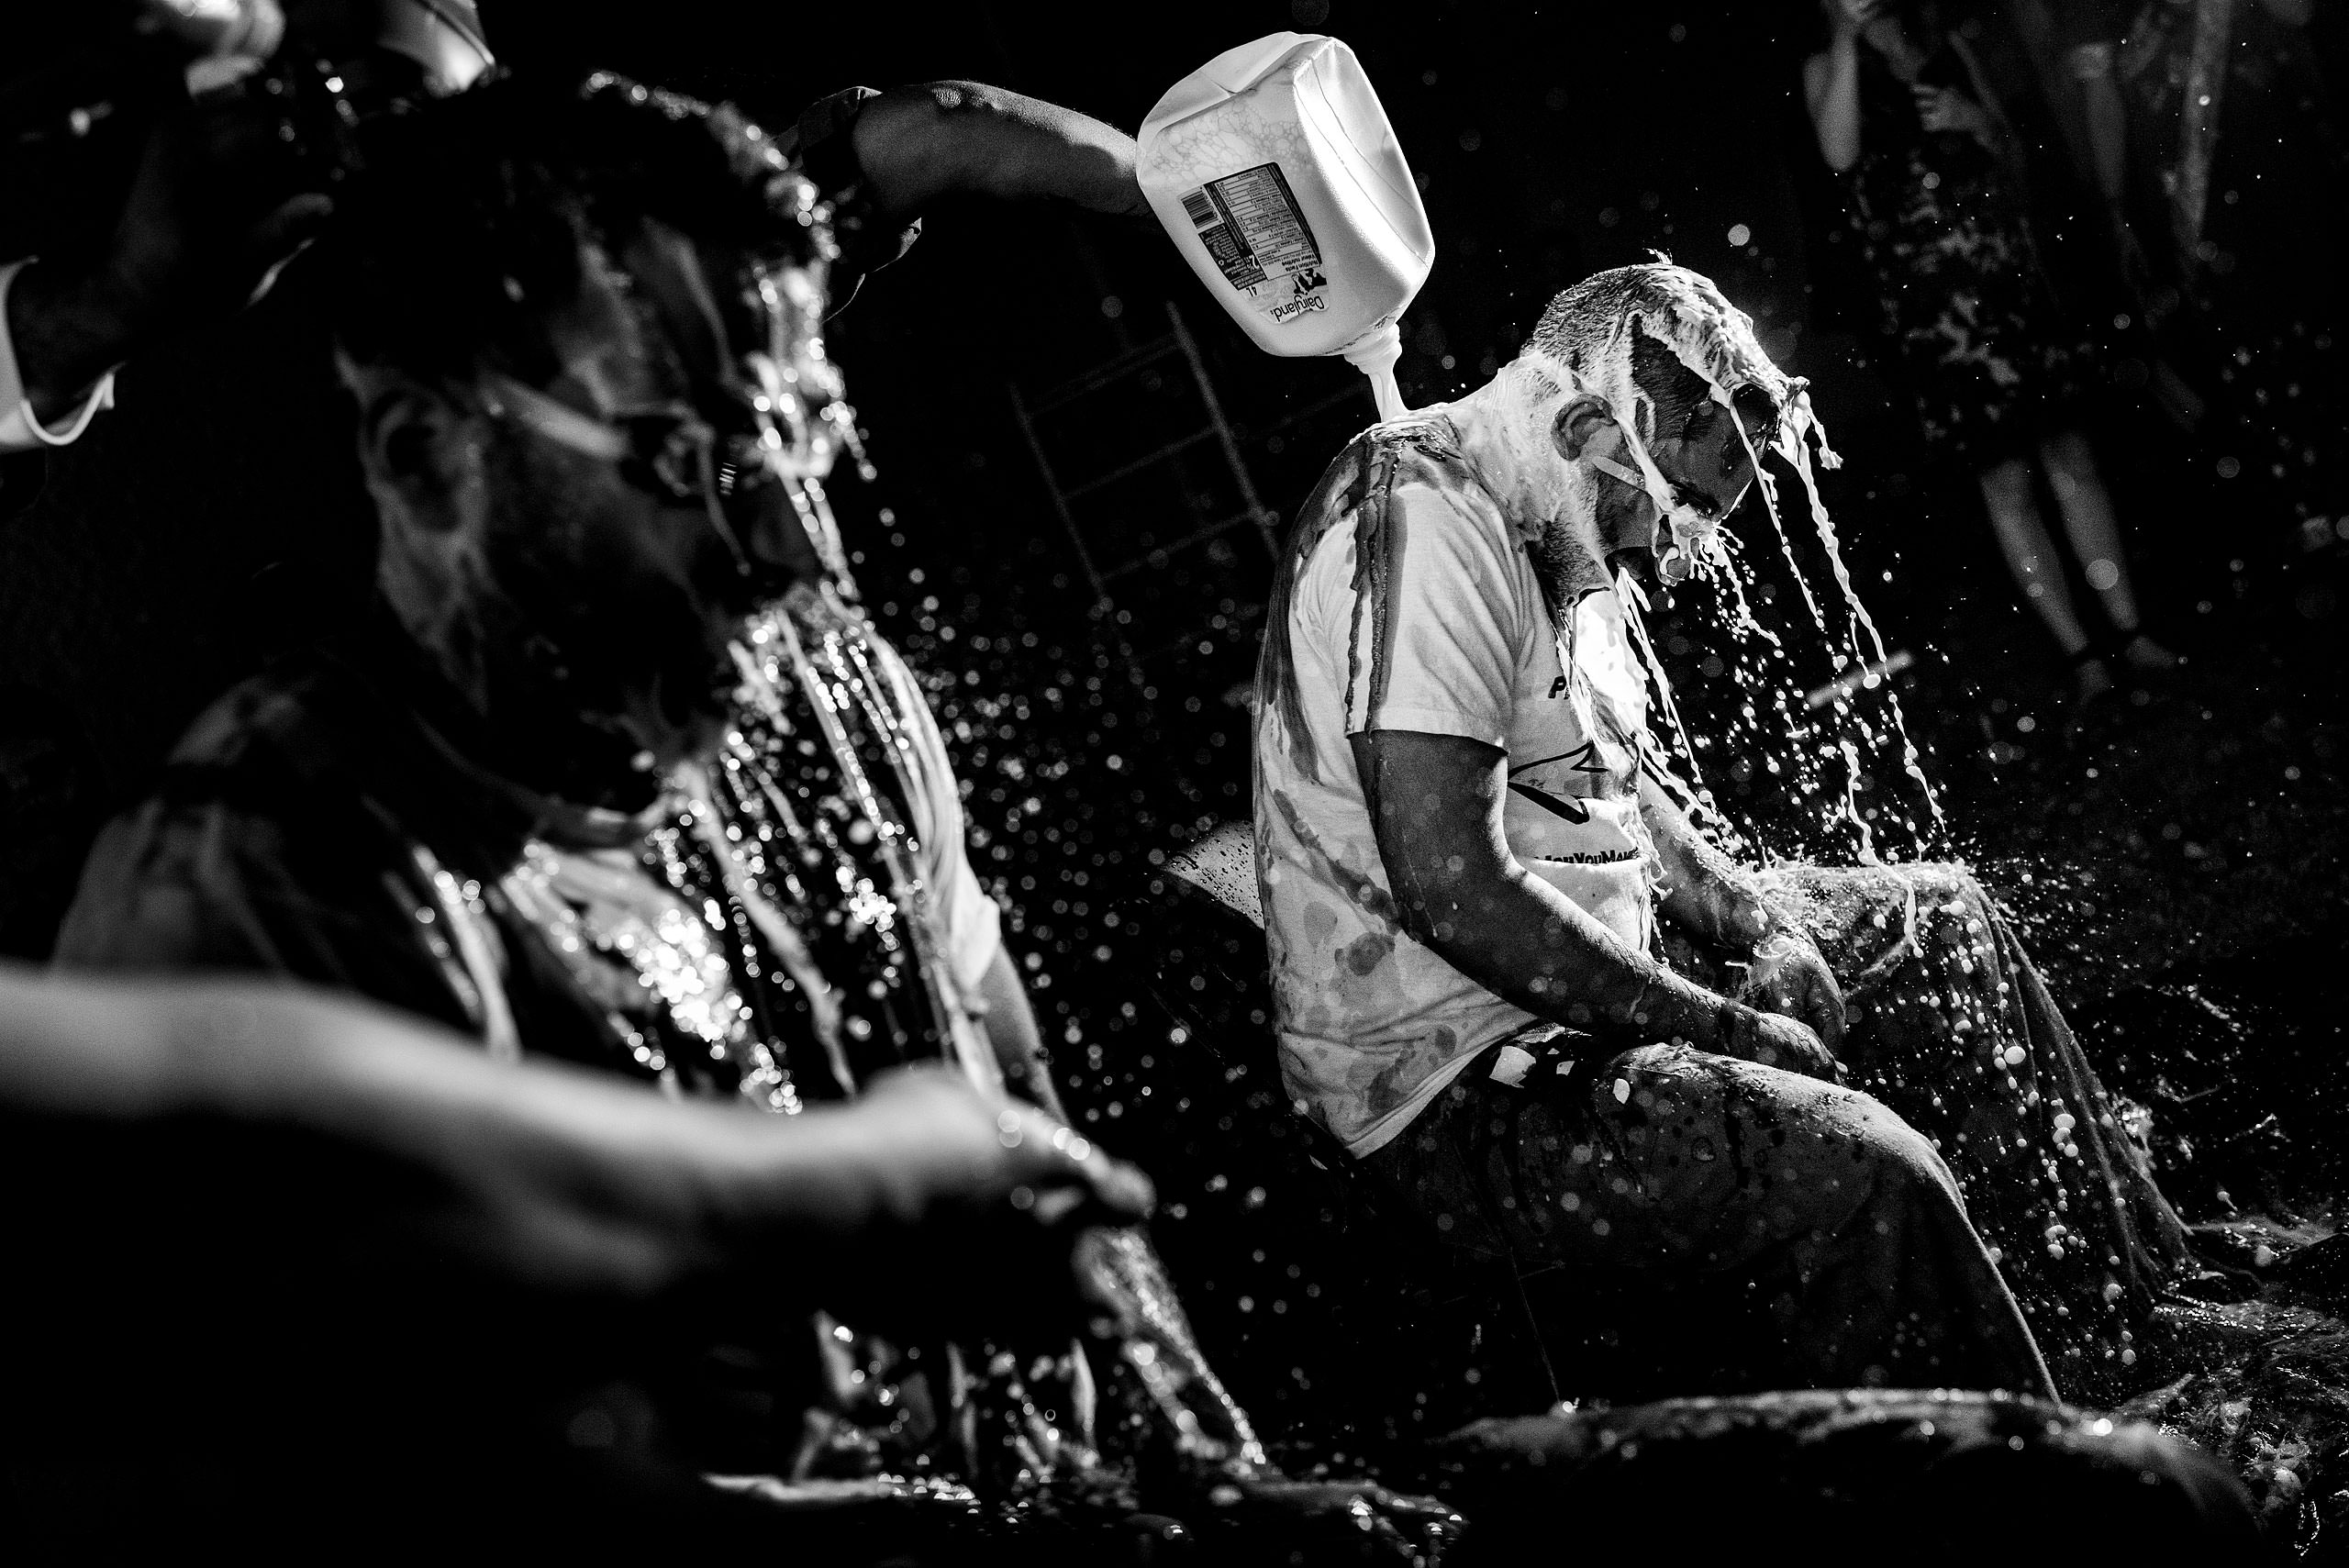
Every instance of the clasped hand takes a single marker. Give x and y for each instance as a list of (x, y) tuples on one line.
[(1947, 109), (977, 1204), (1800, 1019), (1851, 17)]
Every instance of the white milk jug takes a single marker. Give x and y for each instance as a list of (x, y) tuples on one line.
[(1275, 172)]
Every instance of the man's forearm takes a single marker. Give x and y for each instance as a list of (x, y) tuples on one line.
[(532, 1176), (1436, 804), (1017, 1043), (1705, 893), (917, 144), (1531, 945)]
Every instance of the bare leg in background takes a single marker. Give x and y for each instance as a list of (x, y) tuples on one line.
[(2030, 555), (2095, 536)]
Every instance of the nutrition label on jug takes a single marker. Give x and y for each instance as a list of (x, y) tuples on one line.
[(1250, 225)]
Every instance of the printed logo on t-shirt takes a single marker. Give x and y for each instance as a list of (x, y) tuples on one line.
[(1567, 779)]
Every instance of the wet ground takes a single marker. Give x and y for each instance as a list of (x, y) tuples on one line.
[(2179, 859)]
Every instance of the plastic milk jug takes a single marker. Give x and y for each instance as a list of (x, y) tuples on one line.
[(1275, 172)]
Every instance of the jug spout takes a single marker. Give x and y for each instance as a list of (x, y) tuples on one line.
[(1374, 354)]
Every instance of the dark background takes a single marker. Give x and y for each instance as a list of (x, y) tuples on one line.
[(2175, 853)]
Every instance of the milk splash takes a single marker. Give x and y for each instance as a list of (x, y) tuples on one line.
[(1588, 349)]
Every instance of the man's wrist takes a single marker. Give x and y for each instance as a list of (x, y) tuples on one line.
[(1774, 930), (815, 1179), (1741, 926), (1672, 1007)]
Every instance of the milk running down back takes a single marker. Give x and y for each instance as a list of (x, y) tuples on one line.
[(1275, 172)]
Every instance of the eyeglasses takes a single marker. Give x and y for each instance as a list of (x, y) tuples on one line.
[(669, 451), (1694, 526), (1702, 514)]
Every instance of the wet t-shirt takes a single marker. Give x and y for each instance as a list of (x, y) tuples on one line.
[(1417, 609), (320, 823)]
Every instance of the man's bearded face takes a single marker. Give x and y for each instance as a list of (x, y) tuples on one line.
[(640, 504), (1707, 468)]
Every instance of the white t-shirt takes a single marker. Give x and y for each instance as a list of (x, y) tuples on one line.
[(1418, 609), (973, 926)]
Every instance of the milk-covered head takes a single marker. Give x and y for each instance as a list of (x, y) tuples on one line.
[(1637, 413)]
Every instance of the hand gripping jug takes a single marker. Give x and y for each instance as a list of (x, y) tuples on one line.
[(1275, 172)]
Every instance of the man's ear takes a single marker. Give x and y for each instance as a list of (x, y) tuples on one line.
[(1583, 420), (417, 444)]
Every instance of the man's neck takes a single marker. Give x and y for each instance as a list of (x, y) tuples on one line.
[(1512, 469), (509, 725), (1525, 479)]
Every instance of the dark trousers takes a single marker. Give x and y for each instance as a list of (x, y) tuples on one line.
[(1953, 1030), (1720, 1176)]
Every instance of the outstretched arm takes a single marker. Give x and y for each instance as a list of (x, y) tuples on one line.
[(553, 1182), (1435, 803), (915, 144)]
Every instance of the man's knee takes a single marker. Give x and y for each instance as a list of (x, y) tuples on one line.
[(1948, 889), (1900, 1160), (1889, 1157)]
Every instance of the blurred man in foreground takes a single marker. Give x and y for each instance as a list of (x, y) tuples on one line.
[(620, 776)]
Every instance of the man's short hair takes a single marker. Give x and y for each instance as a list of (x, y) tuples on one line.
[(466, 221), (1580, 323)]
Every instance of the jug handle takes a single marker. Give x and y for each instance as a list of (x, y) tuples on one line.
[(1226, 76)]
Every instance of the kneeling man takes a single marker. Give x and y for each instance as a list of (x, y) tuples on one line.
[(1464, 846)]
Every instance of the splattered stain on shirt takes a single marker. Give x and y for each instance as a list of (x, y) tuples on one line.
[(1410, 603)]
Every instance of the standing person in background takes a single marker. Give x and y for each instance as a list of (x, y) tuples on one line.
[(2215, 141), (1902, 108)]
